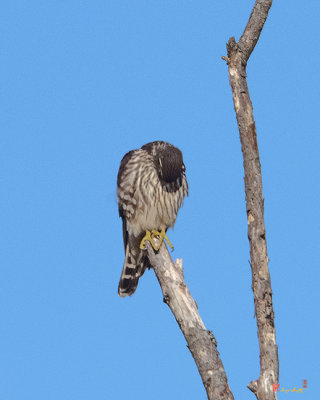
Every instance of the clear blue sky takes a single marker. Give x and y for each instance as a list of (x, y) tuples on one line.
[(83, 82)]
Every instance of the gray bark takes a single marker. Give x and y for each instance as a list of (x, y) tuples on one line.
[(201, 342), (238, 55)]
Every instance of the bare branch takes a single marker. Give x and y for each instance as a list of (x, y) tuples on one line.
[(201, 342), (254, 27), (238, 55)]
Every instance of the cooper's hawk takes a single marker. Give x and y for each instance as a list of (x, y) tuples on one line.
[(151, 187)]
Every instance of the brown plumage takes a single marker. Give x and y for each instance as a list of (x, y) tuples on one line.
[(151, 187)]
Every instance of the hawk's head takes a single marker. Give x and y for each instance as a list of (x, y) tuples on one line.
[(169, 164)]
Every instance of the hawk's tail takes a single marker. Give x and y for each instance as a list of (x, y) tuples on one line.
[(134, 266)]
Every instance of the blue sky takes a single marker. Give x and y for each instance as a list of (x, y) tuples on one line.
[(82, 83)]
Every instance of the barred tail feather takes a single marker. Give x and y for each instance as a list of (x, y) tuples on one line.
[(134, 266)]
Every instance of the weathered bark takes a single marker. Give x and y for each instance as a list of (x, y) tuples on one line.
[(238, 55), (201, 342)]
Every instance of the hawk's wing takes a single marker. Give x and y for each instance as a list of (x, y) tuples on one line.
[(122, 168), (124, 228)]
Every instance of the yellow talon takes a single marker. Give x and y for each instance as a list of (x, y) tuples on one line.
[(149, 238), (161, 235)]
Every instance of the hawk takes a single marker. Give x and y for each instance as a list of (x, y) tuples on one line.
[(151, 187)]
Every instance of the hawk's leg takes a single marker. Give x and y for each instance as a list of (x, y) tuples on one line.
[(149, 238), (161, 235)]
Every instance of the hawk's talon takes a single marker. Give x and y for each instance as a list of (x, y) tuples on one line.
[(161, 235), (149, 238)]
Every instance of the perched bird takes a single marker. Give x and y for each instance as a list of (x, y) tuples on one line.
[(151, 187)]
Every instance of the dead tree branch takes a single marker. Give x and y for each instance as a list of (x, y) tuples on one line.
[(201, 342), (238, 55)]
